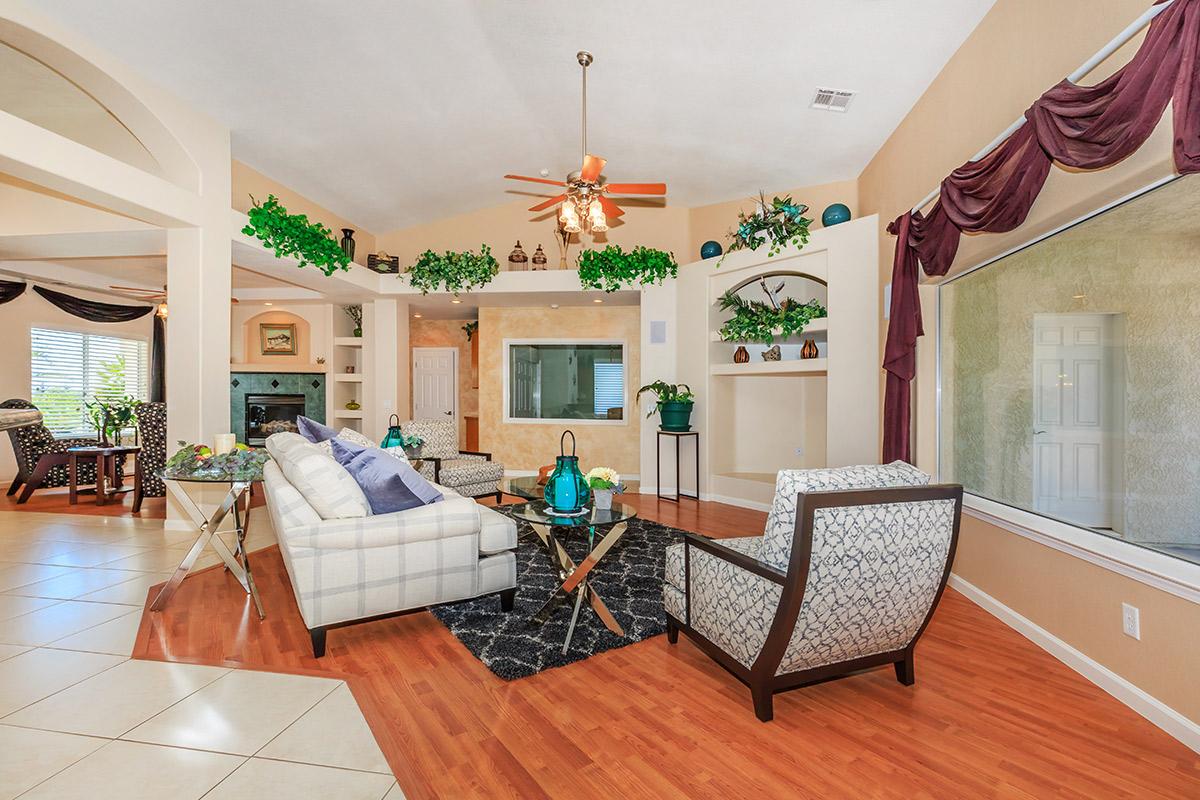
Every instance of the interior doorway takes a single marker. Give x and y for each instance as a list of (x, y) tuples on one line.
[(1079, 418), (435, 382)]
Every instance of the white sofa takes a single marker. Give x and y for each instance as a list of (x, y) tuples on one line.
[(347, 565)]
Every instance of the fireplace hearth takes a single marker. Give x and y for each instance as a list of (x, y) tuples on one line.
[(271, 413)]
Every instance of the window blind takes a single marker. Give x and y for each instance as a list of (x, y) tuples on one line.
[(609, 388), (68, 368)]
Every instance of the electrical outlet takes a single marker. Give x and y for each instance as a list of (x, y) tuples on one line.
[(1131, 621)]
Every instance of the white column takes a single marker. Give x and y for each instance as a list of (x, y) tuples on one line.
[(387, 390)]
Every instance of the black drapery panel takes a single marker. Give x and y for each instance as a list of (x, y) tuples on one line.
[(10, 290), (91, 310), (158, 361)]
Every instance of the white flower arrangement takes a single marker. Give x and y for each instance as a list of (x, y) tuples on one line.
[(604, 478)]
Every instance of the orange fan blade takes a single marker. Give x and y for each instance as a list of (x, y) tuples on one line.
[(611, 209), (636, 188), (551, 202), (535, 180), (592, 165)]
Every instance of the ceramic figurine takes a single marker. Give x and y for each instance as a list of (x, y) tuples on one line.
[(773, 354), (741, 355)]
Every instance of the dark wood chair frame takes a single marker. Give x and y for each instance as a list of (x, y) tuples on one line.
[(761, 677), (437, 469)]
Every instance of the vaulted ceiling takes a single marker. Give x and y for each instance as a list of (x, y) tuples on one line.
[(394, 114)]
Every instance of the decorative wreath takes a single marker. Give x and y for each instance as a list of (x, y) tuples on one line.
[(780, 223)]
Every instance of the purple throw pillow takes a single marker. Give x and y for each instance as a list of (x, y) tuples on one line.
[(314, 431), (389, 483)]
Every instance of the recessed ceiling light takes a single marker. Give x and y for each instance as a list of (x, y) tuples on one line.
[(455, 300), (832, 100), (268, 304), (554, 305), (598, 300), (545, 173), (416, 316)]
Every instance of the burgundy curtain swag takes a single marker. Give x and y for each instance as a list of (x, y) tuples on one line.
[(1083, 127)]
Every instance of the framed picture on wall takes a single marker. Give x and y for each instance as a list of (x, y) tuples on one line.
[(277, 339)]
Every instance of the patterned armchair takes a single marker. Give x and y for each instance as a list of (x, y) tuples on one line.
[(152, 436), (42, 459), (845, 577), (469, 474)]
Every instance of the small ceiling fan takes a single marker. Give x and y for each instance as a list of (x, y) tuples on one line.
[(585, 203), (150, 295)]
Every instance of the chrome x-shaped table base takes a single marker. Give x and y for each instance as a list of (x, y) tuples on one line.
[(575, 578), (208, 535)]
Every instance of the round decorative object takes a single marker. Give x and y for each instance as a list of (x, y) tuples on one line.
[(352, 406), (539, 258), (710, 249), (566, 491), (517, 260), (836, 214), (741, 355)]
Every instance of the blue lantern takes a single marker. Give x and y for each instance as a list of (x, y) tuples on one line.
[(836, 214), (566, 490), (710, 249)]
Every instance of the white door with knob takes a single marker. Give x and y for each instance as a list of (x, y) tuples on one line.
[(435, 382), (1078, 413)]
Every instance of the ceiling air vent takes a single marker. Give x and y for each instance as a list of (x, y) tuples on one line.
[(832, 100)]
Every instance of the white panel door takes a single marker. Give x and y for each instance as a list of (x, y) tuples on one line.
[(1075, 415), (435, 382)]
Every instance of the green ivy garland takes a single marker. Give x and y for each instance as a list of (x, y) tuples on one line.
[(611, 268), (457, 272), (755, 321), (781, 223), (293, 235)]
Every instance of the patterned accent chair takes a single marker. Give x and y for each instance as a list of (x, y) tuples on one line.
[(846, 576), (467, 473), (42, 459), (152, 436)]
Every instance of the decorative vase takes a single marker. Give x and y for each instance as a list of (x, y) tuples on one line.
[(353, 406), (772, 354), (566, 489), (741, 355), (809, 350), (394, 436), (539, 258), (836, 214), (603, 499), (358, 333), (517, 260), (676, 415), (348, 242), (710, 249)]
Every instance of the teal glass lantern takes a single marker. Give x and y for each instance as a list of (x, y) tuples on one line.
[(394, 438), (566, 490)]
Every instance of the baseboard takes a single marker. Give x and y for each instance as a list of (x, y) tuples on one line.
[(1157, 712), (714, 498)]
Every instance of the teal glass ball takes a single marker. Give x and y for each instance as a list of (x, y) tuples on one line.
[(836, 214), (710, 249)]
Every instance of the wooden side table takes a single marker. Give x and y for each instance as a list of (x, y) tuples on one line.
[(109, 484), (676, 435)]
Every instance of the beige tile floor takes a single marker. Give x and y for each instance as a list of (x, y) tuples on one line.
[(80, 719)]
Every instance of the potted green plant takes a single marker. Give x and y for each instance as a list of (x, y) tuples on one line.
[(293, 236), (453, 272), (604, 483), (611, 268), (673, 402)]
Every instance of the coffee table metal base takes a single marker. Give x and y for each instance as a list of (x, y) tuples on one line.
[(238, 564), (575, 578)]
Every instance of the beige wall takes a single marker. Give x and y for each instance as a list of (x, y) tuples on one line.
[(447, 333), (1001, 68), (31, 311), (252, 340), (247, 182), (526, 446)]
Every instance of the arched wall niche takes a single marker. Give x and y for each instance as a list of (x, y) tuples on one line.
[(252, 346), (129, 111), (797, 284)]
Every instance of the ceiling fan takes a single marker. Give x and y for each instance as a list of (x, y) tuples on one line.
[(150, 295), (585, 201)]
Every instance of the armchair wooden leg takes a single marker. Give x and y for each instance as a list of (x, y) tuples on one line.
[(764, 702), (318, 642), (672, 631), (39, 475), (507, 598), (905, 671), (16, 484)]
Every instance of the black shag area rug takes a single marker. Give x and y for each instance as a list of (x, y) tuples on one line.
[(515, 645)]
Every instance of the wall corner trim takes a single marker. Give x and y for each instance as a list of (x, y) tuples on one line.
[(1154, 710)]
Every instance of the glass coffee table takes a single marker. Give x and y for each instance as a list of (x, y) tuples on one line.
[(606, 524)]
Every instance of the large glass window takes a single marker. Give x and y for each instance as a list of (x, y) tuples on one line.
[(566, 381), (69, 368), (1069, 374)]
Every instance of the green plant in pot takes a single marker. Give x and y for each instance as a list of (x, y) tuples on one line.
[(673, 402)]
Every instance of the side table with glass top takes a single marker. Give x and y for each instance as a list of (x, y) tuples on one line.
[(237, 562), (553, 530)]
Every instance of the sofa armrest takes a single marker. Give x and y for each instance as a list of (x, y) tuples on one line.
[(457, 516)]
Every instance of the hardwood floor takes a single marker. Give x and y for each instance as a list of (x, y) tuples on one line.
[(991, 715)]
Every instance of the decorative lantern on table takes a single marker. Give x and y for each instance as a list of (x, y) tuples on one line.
[(566, 490)]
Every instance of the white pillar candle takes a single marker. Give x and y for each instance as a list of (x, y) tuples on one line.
[(223, 443)]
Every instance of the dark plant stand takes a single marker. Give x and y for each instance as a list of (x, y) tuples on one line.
[(676, 435)]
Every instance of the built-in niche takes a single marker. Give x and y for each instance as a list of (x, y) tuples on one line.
[(252, 345)]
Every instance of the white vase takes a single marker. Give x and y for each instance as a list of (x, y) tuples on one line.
[(603, 498)]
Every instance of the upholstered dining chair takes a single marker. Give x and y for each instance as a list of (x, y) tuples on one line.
[(845, 577), (468, 473), (152, 436), (42, 459)]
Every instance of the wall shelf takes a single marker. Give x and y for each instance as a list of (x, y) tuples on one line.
[(808, 366), (816, 326), (343, 377), (346, 413), (348, 341)]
